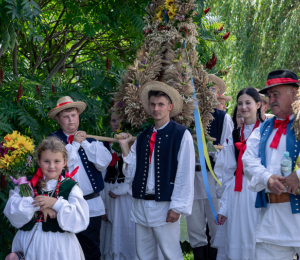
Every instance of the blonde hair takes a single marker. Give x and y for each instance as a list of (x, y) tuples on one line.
[(55, 145)]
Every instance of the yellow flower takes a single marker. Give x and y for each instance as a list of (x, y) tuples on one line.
[(169, 3), (159, 16), (6, 160), (15, 135), (171, 14), (9, 143), (23, 142)]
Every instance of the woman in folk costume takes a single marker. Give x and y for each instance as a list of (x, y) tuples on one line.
[(117, 231), (47, 223), (236, 239)]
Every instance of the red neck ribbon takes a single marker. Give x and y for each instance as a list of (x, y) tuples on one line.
[(70, 139), (70, 175), (114, 160), (241, 146), (36, 177), (281, 125), (151, 144)]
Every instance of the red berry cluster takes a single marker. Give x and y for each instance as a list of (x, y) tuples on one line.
[(185, 31), (163, 28), (149, 31)]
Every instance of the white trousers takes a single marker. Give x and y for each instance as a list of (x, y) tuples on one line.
[(167, 237), (196, 223), (265, 251)]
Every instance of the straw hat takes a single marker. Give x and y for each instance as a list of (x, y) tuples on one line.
[(263, 97), (64, 103), (219, 82), (226, 98), (160, 86)]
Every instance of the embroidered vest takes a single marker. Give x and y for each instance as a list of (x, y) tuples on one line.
[(114, 173), (167, 145), (94, 175), (216, 125), (52, 224), (292, 146)]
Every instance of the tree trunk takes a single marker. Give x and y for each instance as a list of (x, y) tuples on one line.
[(14, 57)]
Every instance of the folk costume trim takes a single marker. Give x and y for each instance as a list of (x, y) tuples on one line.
[(281, 125), (241, 146)]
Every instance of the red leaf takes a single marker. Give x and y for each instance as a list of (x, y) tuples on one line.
[(38, 89), (212, 62), (53, 88), (1, 75), (107, 63), (19, 94), (221, 28), (225, 36), (206, 10)]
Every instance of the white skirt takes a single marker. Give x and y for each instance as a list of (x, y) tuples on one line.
[(47, 245), (238, 234)]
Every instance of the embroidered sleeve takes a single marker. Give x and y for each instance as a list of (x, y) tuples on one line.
[(72, 214), (183, 193), (129, 164), (253, 168), (19, 210)]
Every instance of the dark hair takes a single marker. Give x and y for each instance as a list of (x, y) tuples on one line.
[(234, 118), (252, 92), (154, 93)]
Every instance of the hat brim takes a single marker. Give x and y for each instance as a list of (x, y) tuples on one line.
[(160, 86), (226, 98), (81, 106), (264, 90), (219, 82)]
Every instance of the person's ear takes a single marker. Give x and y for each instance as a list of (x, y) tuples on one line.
[(258, 105), (65, 163), (170, 107)]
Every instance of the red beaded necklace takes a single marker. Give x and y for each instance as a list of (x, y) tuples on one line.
[(56, 189)]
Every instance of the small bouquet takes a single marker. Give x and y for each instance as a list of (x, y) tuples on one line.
[(16, 160)]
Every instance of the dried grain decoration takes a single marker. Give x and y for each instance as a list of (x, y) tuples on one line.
[(163, 58)]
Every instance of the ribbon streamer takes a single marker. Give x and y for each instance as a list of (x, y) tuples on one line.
[(202, 149), (21, 180), (70, 175)]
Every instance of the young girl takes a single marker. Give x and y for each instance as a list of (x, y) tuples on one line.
[(56, 213), (236, 239)]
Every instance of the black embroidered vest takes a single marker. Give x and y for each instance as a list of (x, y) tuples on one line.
[(52, 224), (114, 173)]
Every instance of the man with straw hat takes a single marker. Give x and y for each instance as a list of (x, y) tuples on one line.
[(277, 231), (222, 100), (201, 222), (92, 157), (161, 167)]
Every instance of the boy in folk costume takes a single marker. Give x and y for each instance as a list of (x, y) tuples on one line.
[(161, 167), (220, 128), (222, 100), (92, 157), (277, 231)]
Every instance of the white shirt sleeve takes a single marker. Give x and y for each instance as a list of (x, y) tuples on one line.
[(97, 154), (73, 156), (129, 164), (253, 169), (183, 193), (227, 175), (72, 214), (19, 210), (227, 128)]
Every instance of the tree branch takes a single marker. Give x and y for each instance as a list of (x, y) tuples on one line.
[(63, 59)]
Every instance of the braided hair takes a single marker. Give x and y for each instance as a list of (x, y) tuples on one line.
[(252, 92)]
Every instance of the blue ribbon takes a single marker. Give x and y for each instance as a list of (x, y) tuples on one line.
[(200, 145)]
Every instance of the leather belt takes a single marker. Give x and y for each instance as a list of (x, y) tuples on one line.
[(274, 198), (91, 196), (149, 197)]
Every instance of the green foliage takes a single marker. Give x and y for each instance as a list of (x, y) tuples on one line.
[(264, 38)]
